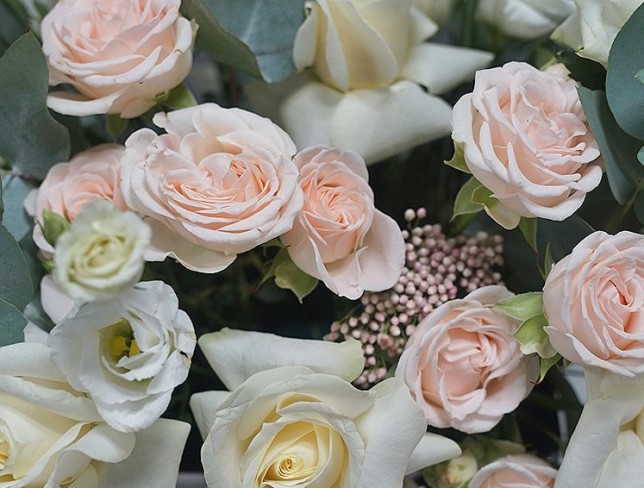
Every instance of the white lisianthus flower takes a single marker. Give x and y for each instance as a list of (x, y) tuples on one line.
[(363, 91), (293, 418), (101, 254), (128, 354), (51, 435), (592, 28), (606, 449)]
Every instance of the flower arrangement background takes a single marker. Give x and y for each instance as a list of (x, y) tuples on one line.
[(337, 243)]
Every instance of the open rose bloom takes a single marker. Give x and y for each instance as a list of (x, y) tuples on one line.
[(463, 365), (293, 419), (219, 182), (515, 471), (339, 236), (525, 137), (119, 54), (594, 301)]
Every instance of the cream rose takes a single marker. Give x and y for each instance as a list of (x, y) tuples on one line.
[(594, 301), (606, 449), (219, 183), (339, 237), (51, 435), (526, 138), (293, 418), (120, 55), (516, 471), (591, 30), (463, 366), (525, 19), (363, 92), (101, 255), (127, 354), (69, 187)]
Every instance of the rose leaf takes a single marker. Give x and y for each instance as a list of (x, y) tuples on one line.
[(30, 138)]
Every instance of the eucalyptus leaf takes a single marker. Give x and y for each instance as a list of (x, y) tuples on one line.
[(15, 218), (14, 23), (640, 76), (16, 286), (255, 36), (30, 139), (619, 150), (624, 91), (12, 324)]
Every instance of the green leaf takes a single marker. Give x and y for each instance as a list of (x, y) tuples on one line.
[(528, 228), (54, 225), (255, 36), (16, 287), (12, 324), (523, 306), (640, 155), (624, 92), (15, 219), (533, 338), (625, 174), (464, 203), (289, 277), (115, 125), (30, 139), (14, 23), (180, 97), (458, 160), (640, 76), (559, 238), (545, 364), (548, 261)]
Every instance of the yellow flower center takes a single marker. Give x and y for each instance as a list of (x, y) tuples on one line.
[(4, 453), (120, 340)]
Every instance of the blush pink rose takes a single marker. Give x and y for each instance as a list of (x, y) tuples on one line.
[(463, 366), (120, 55), (515, 471), (219, 182), (594, 301), (525, 137), (69, 187), (339, 236)]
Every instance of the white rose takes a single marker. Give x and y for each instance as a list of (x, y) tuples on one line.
[(51, 435), (525, 19), (128, 354), (293, 418), (364, 92), (606, 449), (101, 254), (592, 28)]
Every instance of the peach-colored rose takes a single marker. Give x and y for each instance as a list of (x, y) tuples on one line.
[(594, 301), (69, 187), (339, 237), (515, 471), (119, 54), (219, 183), (525, 137), (463, 366)]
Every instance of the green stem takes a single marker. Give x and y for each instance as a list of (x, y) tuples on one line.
[(469, 23), (618, 216)]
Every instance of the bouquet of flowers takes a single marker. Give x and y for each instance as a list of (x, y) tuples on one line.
[(322, 243)]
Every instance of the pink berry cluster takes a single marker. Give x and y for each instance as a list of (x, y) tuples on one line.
[(437, 269)]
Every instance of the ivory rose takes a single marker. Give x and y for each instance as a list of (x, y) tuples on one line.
[(363, 91), (127, 354), (525, 19), (51, 435), (339, 236), (516, 471), (120, 55), (463, 366), (293, 418), (594, 301), (606, 449), (101, 255), (591, 30), (219, 182), (525, 137), (70, 186)]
